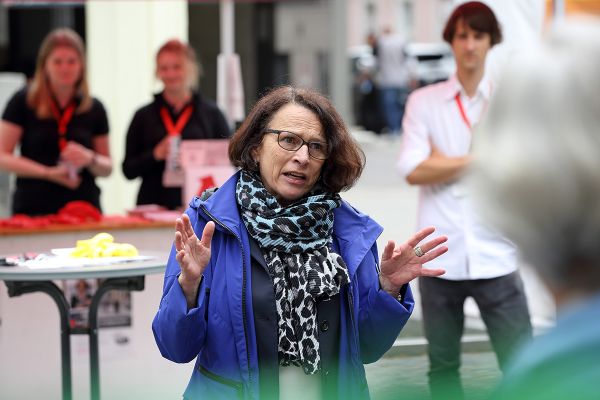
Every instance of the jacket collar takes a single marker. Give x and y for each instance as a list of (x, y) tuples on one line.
[(356, 233), (222, 206)]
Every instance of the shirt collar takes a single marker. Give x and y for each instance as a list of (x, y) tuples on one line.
[(483, 89)]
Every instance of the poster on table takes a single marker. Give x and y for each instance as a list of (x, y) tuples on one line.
[(114, 309), (205, 164)]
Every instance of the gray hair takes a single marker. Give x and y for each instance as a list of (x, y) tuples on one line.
[(537, 171)]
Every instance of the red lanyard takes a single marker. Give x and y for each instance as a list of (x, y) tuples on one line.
[(174, 129), (463, 114), (62, 120)]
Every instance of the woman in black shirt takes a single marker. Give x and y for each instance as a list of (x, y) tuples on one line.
[(61, 130), (178, 113)]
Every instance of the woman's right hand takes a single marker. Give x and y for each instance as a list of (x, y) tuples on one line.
[(193, 255)]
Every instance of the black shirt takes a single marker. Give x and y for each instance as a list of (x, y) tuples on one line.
[(147, 130), (39, 142)]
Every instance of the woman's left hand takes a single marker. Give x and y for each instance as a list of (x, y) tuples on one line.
[(77, 155), (401, 264)]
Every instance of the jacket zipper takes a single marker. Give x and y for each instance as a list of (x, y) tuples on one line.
[(351, 304), (207, 295), (227, 382), (244, 316)]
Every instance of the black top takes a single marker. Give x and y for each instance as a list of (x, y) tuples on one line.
[(147, 130), (265, 323), (39, 142)]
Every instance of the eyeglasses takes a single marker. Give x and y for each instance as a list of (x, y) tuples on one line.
[(292, 142)]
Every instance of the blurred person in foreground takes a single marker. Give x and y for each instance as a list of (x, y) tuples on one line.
[(482, 264), (179, 112), (537, 178), (284, 296), (62, 132)]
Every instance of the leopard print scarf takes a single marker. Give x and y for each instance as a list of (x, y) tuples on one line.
[(295, 241)]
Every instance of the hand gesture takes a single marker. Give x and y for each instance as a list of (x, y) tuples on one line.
[(77, 155), (193, 254), (60, 175), (161, 150), (401, 264)]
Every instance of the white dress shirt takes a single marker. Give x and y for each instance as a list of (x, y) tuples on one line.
[(433, 116)]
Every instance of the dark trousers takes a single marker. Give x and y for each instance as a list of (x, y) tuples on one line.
[(393, 101), (503, 308)]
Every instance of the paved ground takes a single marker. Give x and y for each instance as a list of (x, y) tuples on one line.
[(406, 377), (402, 373)]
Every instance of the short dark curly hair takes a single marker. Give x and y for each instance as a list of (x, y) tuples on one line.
[(346, 161), (478, 17)]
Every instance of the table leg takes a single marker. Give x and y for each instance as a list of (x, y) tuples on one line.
[(17, 288), (127, 283)]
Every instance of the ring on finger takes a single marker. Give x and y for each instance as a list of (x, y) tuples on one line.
[(418, 251)]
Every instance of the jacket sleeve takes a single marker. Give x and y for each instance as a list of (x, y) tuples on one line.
[(381, 317), (179, 332)]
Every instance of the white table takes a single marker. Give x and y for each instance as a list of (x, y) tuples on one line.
[(128, 276)]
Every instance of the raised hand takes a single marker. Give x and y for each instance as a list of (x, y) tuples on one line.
[(193, 255), (401, 264)]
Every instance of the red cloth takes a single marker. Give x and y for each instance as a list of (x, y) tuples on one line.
[(74, 212)]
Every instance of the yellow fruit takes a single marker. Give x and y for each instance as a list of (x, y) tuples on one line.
[(109, 249), (103, 245), (79, 251), (103, 237), (127, 250)]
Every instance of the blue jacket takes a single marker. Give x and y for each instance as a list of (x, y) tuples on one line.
[(220, 332)]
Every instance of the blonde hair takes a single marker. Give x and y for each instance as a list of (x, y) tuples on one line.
[(39, 95), (178, 47)]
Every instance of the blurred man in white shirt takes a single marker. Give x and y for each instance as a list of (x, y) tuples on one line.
[(438, 128)]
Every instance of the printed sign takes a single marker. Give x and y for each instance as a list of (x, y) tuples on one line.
[(205, 165)]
